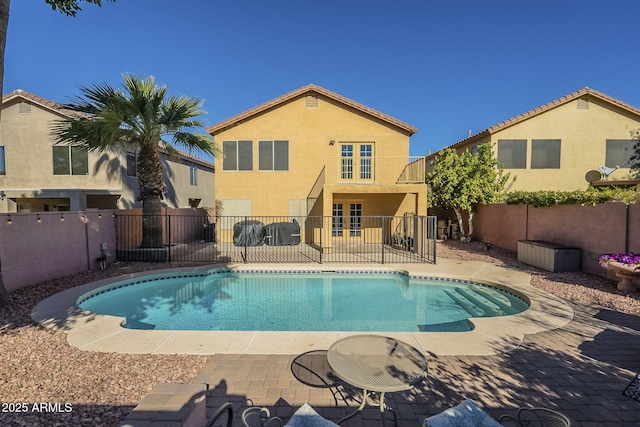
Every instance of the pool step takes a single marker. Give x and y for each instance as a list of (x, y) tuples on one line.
[(497, 297), (455, 326), (468, 305), (480, 300)]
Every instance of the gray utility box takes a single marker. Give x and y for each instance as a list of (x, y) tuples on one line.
[(549, 256)]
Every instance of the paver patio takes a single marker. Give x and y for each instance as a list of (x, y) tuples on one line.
[(580, 369), (579, 366)]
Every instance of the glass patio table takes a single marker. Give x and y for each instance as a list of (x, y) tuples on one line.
[(376, 363)]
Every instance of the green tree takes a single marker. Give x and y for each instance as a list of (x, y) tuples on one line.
[(463, 181), (142, 115)]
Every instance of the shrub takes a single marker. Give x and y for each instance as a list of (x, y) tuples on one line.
[(592, 196)]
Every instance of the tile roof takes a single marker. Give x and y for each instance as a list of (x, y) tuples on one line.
[(311, 88), (51, 105), (586, 91), (56, 107)]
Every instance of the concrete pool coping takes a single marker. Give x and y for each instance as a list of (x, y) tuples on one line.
[(96, 332)]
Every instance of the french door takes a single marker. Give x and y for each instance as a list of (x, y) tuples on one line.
[(347, 220), (356, 162)]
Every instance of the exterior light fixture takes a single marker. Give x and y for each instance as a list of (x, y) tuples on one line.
[(61, 217), (8, 219), (38, 219)]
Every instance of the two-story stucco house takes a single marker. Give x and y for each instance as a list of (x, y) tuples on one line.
[(313, 152), (37, 175), (564, 144)]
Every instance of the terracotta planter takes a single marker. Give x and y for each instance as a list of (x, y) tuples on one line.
[(629, 275)]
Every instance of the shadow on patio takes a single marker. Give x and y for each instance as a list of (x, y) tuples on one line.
[(572, 370)]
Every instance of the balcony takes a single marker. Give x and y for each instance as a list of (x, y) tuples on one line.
[(374, 170)]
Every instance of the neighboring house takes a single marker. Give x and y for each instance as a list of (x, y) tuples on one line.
[(312, 152), (562, 145), (37, 175)]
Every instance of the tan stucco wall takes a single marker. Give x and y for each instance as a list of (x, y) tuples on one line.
[(309, 131), (29, 156), (583, 134), (30, 179), (178, 185)]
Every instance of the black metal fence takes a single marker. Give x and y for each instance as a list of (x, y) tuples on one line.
[(311, 239)]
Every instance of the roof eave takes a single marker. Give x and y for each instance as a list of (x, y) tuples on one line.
[(239, 118)]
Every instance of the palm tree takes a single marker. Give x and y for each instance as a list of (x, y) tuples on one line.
[(141, 115)]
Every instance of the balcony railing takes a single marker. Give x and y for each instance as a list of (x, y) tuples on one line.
[(374, 170)]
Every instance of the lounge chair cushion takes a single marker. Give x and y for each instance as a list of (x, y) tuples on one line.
[(306, 416), (466, 414)]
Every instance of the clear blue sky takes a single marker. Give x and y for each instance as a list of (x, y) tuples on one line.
[(445, 66)]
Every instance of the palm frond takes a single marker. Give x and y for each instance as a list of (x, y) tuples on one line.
[(140, 112)]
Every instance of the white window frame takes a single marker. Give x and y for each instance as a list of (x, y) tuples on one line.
[(275, 150), (132, 155), (237, 163), (542, 151), (70, 158), (3, 162), (506, 150), (193, 175)]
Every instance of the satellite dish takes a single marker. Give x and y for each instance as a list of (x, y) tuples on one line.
[(592, 176), (606, 171)]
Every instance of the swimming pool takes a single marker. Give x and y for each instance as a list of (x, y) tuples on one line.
[(219, 300)]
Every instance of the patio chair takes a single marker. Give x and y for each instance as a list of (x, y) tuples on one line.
[(536, 417), (259, 417), (226, 408)]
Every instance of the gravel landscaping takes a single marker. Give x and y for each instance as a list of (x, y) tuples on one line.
[(99, 389)]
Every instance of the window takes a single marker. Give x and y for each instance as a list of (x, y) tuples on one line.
[(347, 161), (273, 155), (336, 220), (3, 169), (512, 153), (132, 163), (619, 152), (193, 175), (366, 151), (237, 155), (70, 160), (363, 161), (545, 154), (355, 219)]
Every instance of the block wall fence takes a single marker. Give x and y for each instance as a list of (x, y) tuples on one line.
[(65, 243), (604, 228), (35, 247)]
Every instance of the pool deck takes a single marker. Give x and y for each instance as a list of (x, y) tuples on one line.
[(94, 332), (566, 356)]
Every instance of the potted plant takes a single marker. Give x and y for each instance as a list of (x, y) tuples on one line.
[(626, 267), (399, 240)]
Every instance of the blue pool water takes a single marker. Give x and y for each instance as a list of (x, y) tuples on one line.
[(292, 301)]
